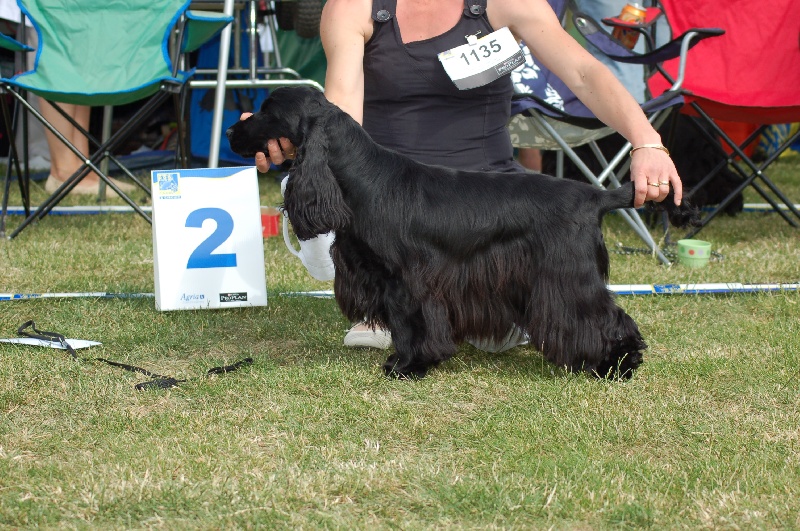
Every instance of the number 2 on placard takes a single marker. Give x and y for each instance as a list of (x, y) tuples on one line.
[(203, 256)]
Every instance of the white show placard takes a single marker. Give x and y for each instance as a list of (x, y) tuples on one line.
[(208, 248)]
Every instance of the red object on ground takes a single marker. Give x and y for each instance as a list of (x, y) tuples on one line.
[(270, 223)]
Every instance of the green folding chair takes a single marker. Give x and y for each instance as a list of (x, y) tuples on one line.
[(20, 50), (101, 53)]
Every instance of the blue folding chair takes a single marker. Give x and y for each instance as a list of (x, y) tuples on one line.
[(547, 115)]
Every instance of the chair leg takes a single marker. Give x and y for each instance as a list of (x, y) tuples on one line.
[(103, 151), (746, 179), (10, 123), (6, 191), (108, 118), (181, 150), (749, 172)]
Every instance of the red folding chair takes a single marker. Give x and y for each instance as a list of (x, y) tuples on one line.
[(751, 74)]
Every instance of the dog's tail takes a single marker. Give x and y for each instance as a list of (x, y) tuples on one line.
[(617, 198), (683, 215)]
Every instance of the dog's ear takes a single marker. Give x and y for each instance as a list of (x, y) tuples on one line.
[(313, 198)]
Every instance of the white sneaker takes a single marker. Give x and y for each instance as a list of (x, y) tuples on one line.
[(514, 338), (369, 338)]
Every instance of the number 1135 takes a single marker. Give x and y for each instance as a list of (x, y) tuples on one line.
[(486, 50)]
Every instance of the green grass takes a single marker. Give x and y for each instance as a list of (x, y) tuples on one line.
[(313, 436)]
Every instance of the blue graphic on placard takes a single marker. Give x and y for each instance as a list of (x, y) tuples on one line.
[(203, 256), (167, 183)]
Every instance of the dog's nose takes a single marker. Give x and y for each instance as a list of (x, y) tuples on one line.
[(229, 132)]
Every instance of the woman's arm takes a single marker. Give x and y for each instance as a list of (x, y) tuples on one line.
[(534, 22), (345, 27)]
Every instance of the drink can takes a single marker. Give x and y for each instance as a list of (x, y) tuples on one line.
[(630, 13)]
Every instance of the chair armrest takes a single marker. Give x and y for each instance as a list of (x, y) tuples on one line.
[(14, 45), (200, 27), (612, 48)]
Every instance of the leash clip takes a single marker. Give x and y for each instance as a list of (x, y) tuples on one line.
[(42, 335)]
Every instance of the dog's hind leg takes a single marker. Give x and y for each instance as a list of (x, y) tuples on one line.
[(580, 327), (624, 350), (606, 344), (421, 333)]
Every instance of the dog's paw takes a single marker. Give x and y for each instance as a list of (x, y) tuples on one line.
[(393, 368), (621, 368)]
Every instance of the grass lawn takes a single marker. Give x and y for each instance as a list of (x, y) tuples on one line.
[(311, 435)]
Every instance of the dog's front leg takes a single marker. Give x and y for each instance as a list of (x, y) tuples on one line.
[(421, 333)]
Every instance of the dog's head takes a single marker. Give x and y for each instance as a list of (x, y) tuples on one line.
[(312, 199), (288, 112)]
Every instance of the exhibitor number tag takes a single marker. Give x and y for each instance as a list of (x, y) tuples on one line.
[(483, 60)]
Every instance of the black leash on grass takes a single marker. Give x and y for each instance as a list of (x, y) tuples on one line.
[(157, 381)]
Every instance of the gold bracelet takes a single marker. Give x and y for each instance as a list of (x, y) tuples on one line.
[(653, 146)]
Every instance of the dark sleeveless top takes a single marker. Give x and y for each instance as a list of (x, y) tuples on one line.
[(412, 106)]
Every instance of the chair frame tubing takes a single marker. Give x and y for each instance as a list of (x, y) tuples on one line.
[(756, 171), (630, 215), (103, 150), (10, 123)]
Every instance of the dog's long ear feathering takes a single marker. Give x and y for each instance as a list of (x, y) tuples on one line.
[(313, 198)]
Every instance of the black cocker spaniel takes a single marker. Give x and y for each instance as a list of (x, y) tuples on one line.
[(437, 255)]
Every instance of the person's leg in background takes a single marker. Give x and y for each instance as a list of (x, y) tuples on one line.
[(63, 161), (38, 152), (530, 158)]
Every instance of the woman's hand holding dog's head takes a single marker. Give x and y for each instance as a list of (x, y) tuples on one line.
[(278, 151)]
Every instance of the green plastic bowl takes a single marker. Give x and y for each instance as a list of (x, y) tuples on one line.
[(694, 253)]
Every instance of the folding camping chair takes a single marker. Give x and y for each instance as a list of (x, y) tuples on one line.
[(547, 115), (10, 123), (750, 75), (98, 53)]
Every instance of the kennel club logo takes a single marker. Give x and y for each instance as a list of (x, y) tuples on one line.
[(167, 184), (233, 297)]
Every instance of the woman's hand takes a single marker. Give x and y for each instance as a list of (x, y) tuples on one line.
[(278, 151), (653, 173)]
